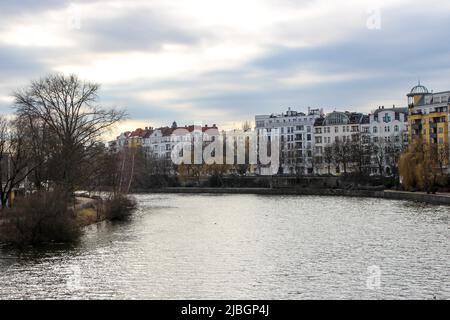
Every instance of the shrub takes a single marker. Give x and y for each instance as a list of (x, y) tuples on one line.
[(119, 207), (40, 218)]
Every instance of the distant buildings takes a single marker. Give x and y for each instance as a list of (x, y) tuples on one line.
[(315, 143), (312, 142), (159, 142)]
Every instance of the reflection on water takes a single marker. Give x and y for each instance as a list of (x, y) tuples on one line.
[(245, 246)]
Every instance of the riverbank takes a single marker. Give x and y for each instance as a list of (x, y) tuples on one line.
[(437, 199), (46, 217)]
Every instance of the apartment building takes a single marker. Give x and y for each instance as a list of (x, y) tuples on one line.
[(388, 137), (337, 127), (428, 115), (159, 142), (296, 130)]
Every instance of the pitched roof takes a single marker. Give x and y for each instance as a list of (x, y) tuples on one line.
[(138, 133)]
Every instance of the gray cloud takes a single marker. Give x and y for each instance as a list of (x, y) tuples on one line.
[(30, 6), (412, 43), (136, 29)]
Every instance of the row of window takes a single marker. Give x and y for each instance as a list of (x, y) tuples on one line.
[(387, 117), (296, 137), (386, 129), (296, 145), (365, 139), (291, 120), (336, 129), (297, 128), (440, 130)]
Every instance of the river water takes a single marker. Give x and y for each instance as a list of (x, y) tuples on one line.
[(245, 246)]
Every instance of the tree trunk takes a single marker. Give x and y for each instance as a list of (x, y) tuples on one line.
[(4, 199)]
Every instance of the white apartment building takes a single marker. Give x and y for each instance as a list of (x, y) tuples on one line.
[(160, 142), (296, 131), (389, 125), (157, 142), (388, 131), (337, 127)]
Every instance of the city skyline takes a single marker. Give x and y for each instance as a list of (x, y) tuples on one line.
[(226, 62)]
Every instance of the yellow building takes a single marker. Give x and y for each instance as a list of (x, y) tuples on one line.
[(428, 115)]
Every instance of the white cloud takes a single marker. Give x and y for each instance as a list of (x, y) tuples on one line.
[(7, 99), (35, 35), (171, 62), (311, 78)]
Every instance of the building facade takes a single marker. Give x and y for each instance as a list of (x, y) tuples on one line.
[(388, 138), (338, 128), (296, 130), (428, 116), (159, 142)]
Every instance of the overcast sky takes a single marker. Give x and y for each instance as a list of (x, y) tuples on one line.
[(225, 61)]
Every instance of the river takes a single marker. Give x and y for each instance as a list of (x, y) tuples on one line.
[(245, 246)]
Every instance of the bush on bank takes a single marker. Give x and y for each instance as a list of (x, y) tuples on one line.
[(43, 217), (49, 217), (119, 207)]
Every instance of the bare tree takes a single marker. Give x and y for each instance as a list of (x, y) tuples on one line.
[(299, 159), (15, 165), (39, 142), (342, 154), (442, 156), (328, 158), (379, 148), (70, 111), (359, 153), (394, 149)]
